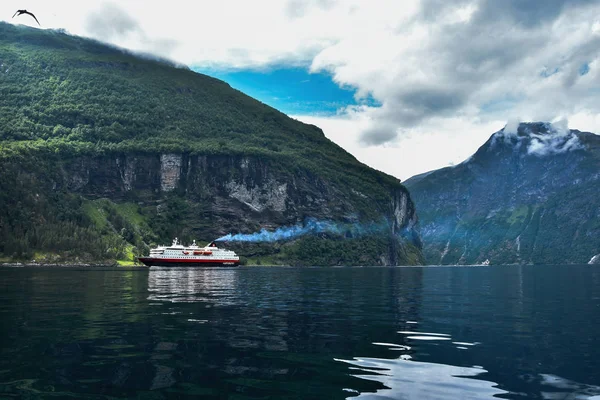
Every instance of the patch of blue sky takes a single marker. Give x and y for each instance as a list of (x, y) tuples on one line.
[(292, 90), (500, 104), (548, 72)]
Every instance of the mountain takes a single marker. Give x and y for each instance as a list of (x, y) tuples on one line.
[(104, 153), (529, 195)]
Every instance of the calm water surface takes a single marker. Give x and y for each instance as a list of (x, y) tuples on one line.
[(301, 333)]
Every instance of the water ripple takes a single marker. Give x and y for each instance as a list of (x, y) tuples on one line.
[(407, 379)]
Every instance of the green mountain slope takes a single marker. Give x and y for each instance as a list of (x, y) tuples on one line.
[(527, 197), (104, 153)]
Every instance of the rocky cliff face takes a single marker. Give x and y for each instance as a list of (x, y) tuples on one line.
[(526, 196), (235, 189), (204, 197)]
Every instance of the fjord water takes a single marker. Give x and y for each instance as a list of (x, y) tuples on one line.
[(301, 333)]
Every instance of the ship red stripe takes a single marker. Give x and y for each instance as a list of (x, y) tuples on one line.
[(183, 260)]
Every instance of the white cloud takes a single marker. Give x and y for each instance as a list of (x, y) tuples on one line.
[(541, 139), (445, 142), (111, 22), (559, 139), (585, 121), (511, 127), (440, 70)]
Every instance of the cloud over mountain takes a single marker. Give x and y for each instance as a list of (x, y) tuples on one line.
[(111, 22), (421, 62), (481, 59)]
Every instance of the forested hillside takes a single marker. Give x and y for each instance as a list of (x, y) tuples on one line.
[(105, 153)]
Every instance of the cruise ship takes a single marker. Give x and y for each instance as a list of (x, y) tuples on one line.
[(178, 255)]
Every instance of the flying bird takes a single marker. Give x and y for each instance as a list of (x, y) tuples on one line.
[(19, 12)]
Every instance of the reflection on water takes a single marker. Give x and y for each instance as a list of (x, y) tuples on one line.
[(405, 379), (300, 333), (555, 387), (180, 285)]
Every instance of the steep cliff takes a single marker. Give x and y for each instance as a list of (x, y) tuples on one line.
[(529, 195), (104, 154)]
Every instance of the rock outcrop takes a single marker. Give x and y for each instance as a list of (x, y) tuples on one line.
[(244, 191), (170, 170)]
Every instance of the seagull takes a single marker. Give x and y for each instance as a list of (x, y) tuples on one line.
[(19, 12)]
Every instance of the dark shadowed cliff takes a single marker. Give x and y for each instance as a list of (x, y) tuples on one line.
[(104, 153), (528, 196)]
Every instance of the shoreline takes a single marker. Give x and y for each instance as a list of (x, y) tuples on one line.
[(69, 265)]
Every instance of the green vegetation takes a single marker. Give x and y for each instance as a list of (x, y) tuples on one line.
[(72, 96), (71, 107), (328, 249), (518, 215)]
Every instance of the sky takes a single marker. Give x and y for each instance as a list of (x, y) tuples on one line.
[(405, 86)]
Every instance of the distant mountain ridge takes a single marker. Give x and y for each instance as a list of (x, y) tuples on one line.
[(104, 154), (529, 195)]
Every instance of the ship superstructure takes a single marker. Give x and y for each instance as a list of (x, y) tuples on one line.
[(192, 255)]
